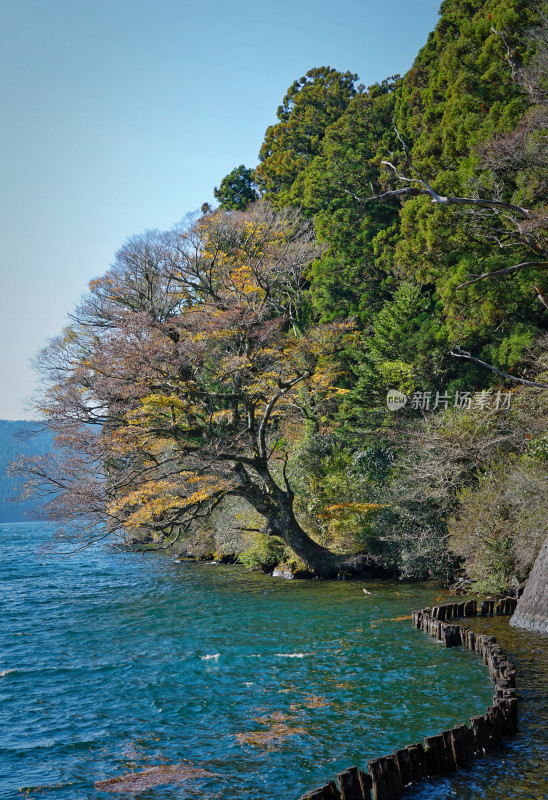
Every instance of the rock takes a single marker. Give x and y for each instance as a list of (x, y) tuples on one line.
[(228, 558), (283, 572), (532, 608)]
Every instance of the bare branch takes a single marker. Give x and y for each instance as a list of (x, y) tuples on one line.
[(437, 199), (481, 202), (261, 436), (515, 70), (541, 296), (459, 353), (505, 271)]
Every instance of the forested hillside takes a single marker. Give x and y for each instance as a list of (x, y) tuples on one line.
[(236, 368), (18, 439)]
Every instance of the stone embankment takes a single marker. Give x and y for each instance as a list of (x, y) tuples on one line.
[(388, 776)]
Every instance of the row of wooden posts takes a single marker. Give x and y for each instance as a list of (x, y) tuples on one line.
[(387, 777)]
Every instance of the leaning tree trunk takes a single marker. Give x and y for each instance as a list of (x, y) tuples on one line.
[(284, 525), (321, 560), (275, 505)]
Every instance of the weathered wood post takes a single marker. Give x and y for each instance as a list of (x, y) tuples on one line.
[(450, 761), (463, 745), (385, 778), (417, 760), (352, 785), (404, 765), (434, 748), (327, 792)]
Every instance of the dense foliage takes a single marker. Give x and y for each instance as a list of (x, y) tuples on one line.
[(238, 367)]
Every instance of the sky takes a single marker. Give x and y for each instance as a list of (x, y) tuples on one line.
[(122, 115)]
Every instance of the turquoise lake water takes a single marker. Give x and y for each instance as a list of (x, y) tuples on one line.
[(112, 663)]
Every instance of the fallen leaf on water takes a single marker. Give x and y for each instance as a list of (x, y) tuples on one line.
[(390, 619), (151, 777), (275, 718), (314, 701), (270, 739), (277, 731)]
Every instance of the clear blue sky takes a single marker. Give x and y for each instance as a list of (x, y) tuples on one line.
[(122, 115)]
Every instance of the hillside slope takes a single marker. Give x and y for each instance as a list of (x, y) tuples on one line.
[(18, 438)]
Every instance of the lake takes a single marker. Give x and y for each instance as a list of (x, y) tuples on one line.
[(246, 686)]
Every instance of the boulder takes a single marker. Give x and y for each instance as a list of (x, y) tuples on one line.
[(532, 608)]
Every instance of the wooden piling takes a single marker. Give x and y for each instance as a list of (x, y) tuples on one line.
[(513, 706), (403, 758), (463, 745), (392, 776), (366, 784), (434, 749), (385, 778), (327, 792), (417, 761), (483, 733), (449, 755), (494, 723), (350, 786)]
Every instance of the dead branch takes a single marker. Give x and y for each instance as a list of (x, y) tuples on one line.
[(459, 353), (541, 296), (514, 68), (505, 271)]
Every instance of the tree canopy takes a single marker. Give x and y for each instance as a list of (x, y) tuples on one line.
[(236, 367), (310, 106), (191, 357), (237, 190)]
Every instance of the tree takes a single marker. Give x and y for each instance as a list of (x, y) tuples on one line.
[(310, 106), (497, 534), (351, 278), (237, 190), (190, 357)]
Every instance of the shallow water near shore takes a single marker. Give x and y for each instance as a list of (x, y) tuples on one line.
[(243, 685)]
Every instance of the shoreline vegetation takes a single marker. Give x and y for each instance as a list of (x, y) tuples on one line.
[(222, 388)]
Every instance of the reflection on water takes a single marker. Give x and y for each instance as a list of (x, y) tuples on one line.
[(119, 673)]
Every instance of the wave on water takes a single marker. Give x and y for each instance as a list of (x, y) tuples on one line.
[(293, 655), (213, 656), (4, 672)]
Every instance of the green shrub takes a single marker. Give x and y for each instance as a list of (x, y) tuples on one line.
[(265, 553)]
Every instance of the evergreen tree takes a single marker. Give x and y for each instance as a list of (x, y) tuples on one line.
[(237, 190), (352, 276), (310, 106)]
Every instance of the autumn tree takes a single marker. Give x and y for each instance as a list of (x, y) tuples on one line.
[(189, 358)]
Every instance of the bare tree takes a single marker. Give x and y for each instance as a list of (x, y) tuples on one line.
[(170, 391)]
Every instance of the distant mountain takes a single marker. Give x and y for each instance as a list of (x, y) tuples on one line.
[(18, 438)]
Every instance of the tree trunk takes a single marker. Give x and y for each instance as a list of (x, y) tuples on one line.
[(321, 560), (276, 506)]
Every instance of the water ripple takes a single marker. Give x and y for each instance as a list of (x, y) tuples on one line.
[(127, 664)]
